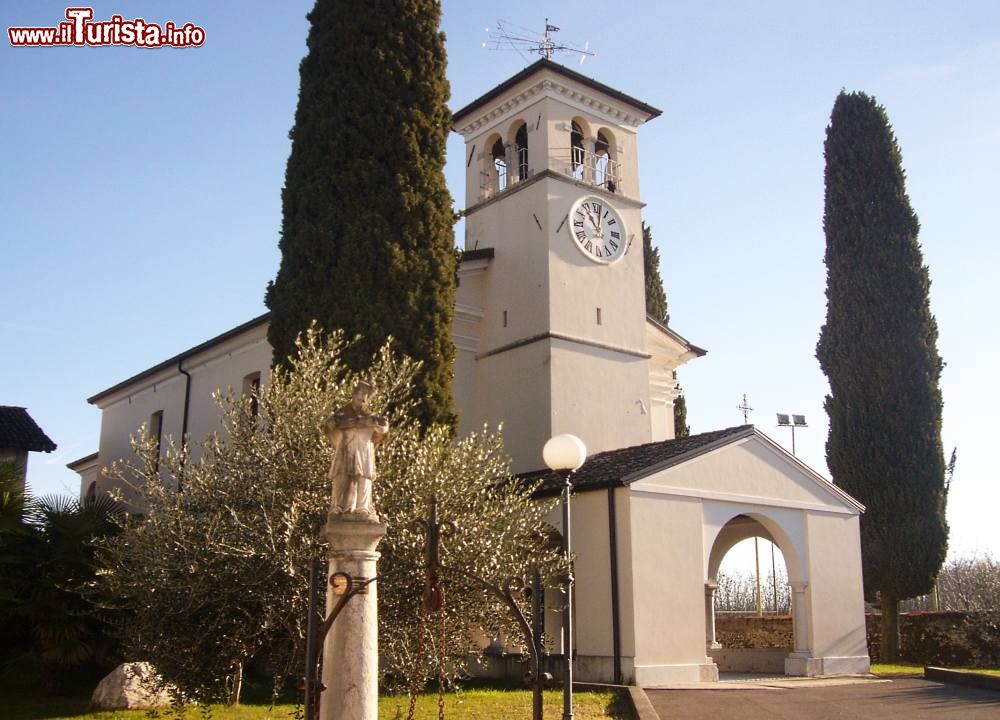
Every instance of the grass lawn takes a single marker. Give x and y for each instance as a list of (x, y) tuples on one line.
[(476, 703), (911, 669)]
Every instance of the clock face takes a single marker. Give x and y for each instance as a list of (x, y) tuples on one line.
[(598, 230)]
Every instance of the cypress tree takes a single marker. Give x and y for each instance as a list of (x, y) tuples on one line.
[(656, 298), (367, 240), (656, 308), (681, 427), (878, 349)]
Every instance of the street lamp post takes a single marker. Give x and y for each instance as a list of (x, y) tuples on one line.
[(796, 421), (564, 454)]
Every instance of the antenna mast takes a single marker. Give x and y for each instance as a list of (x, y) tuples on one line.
[(508, 36), (548, 47)]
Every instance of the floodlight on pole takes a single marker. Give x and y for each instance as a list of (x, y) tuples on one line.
[(792, 421), (565, 454)]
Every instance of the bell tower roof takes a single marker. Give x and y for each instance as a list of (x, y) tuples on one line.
[(631, 111)]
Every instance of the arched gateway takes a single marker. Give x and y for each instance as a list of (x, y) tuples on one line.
[(657, 520)]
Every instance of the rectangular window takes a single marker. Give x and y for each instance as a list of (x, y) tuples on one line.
[(598, 316), (251, 389), (156, 433)]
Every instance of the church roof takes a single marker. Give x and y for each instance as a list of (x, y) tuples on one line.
[(172, 362), (467, 255), (19, 432), (613, 468), (676, 336), (565, 72)]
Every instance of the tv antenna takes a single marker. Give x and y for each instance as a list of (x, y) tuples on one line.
[(508, 36), (745, 408)]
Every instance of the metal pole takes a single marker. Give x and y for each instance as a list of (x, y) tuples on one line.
[(312, 645), (756, 555), (537, 622), (793, 439), (774, 580), (568, 608)]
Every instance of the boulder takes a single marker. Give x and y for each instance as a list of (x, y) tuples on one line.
[(131, 685)]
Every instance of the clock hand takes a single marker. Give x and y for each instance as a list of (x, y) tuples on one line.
[(598, 231)]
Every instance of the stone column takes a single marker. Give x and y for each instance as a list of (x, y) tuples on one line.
[(710, 588), (800, 618), (350, 649), (798, 661)]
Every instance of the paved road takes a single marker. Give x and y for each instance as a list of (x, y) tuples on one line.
[(901, 699)]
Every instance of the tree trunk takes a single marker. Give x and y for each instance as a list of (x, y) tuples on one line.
[(234, 697), (890, 627)]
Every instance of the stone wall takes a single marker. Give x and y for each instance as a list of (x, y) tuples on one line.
[(752, 631), (952, 639)]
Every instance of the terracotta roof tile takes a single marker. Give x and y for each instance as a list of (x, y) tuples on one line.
[(19, 432), (625, 465)]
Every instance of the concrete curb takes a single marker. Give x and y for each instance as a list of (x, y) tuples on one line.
[(969, 678), (641, 707)]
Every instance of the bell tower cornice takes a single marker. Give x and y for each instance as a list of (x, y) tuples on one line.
[(548, 79)]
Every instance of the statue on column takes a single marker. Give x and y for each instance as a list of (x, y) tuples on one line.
[(354, 432)]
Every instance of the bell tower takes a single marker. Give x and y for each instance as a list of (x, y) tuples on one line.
[(550, 325)]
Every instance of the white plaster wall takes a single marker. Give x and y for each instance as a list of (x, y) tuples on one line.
[(513, 388), (517, 278), (90, 473), (599, 395), (593, 618), (668, 590), (661, 421), (593, 573), (123, 415), (224, 371), (226, 364), (626, 572), (750, 471), (835, 593)]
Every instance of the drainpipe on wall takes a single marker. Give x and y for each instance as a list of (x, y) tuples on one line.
[(616, 642), (187, 402)]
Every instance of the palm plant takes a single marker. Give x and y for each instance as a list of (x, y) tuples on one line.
[(47, 624)]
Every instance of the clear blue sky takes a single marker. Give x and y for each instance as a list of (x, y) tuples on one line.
[(140, 193)]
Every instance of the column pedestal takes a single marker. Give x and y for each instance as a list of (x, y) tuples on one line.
[(350, 649), (710, 588)]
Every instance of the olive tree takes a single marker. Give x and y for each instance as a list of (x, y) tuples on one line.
[(213, 564)]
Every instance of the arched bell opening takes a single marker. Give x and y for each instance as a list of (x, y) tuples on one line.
[(520, 155), (493, 171), (579, 131), (606, 172)]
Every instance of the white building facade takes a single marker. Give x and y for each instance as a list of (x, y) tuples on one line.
[(552, 337)]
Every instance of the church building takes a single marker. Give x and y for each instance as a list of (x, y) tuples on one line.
[(552, 337)]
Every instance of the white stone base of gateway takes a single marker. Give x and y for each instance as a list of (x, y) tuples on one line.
[(801, 664), (652, 676)]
